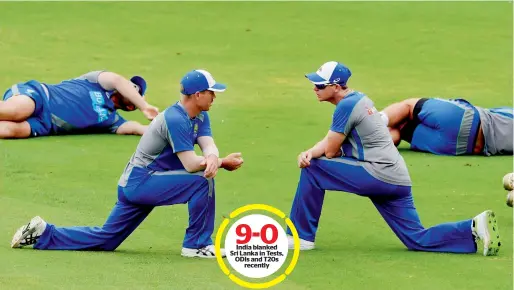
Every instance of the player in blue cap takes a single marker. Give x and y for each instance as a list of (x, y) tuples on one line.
[(164, 170), (450, 126), (82, 105), (358, 156)]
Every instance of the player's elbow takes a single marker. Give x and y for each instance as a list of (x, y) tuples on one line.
[(191, 168), (116, 80), (189, 165), (333, 153), (330, 154), (190, 161)]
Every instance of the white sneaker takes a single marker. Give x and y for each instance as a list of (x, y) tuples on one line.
[(205, 252), (29, 234), (304, 245), (510, 198), (485, 229), (508, 181)]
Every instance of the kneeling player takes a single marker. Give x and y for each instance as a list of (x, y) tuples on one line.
[(164, 170)]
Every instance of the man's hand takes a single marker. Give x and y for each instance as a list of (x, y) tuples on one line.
[(211, 166), (150, 112), (232, 162), (304, 159)]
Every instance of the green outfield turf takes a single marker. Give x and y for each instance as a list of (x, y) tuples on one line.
[(270, 114)]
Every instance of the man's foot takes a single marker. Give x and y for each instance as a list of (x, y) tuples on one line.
[(29, 234), (304, 245), (205, 252), (485, 230)]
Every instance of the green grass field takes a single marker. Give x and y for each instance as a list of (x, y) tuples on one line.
[(270, 114)]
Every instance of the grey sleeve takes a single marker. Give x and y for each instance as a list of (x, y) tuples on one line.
[(346, 116), (160, 127), (92, 76)]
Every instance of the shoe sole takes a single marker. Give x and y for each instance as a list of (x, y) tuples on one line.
[(31, 228), (492, 246), (195, 255), (303, 248), (198, 256)]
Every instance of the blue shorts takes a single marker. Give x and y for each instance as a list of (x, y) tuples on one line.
[(443, 127), (41, 120)]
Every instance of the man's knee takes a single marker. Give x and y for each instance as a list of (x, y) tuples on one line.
[(14, 130), (17, 108), (396, 136), (312, 169), (411, 104), (314, 163), (109, 239), (207, 185)]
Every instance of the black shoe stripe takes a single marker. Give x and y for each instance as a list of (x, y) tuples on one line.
[(205, 252), (29, 239)]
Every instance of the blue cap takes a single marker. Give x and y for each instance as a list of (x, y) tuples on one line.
[(199, 80), (140, 83), (330, 72)]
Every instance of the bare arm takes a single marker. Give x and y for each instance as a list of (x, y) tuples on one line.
[(208, 147), (330, 146), (318, 150), (191, 161), (112, 81), (334, 142), (399, 113), (211, 154), (210, 151), (131, 128)]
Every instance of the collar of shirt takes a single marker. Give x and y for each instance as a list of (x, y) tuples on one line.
[(183, 109)]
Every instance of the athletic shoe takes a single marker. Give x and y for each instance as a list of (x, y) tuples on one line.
[(205, 252), (485, 230), (29, 234), (304, 245)]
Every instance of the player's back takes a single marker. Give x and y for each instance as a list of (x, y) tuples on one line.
[(497, 125), (80, 103), (369, 141)]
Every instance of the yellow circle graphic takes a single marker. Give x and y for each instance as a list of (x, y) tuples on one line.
[(224, 267)]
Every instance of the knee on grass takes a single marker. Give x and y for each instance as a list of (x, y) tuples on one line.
[(14, 130)]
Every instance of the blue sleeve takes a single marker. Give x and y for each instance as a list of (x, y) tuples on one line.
[(204, 129), (343, 119), (117, 122), (179, 132)]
